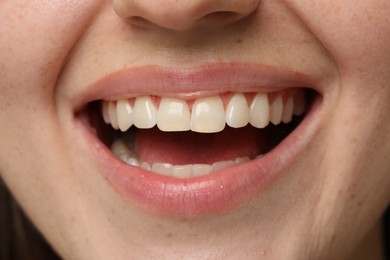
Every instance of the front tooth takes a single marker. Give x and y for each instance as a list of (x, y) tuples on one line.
[(113, 115), (208, 115), (173, 115), (222, 165), (259, 111), (201, 169), (237, 111), (288, 111), (162, 168), (182, 171), (124, 112), (145, 112), (276, 112)]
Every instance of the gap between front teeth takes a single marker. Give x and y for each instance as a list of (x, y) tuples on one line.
[(207, 114), (120, 149)]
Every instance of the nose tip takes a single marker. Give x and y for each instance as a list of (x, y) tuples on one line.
[(181, 15)]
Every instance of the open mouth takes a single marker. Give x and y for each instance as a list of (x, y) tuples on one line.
[(203, 153), (192, 138)]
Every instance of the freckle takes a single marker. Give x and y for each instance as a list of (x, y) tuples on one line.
[(239, 41), (169, 235)]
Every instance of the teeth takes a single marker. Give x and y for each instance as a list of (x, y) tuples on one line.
[(106, 116), (299, 103), (288, 110), (124, 113), (237, 112), (182, 171), (145, 113), (259, 111), (120, 149), (113, 115), (173, 115), (208, 115), (276, 111)]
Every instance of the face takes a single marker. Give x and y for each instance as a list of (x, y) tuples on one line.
[(98, 98)]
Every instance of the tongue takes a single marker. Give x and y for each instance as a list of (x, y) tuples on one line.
[(181, 148)]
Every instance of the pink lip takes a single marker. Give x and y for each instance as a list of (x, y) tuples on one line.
[(215, 192), (190, 83)]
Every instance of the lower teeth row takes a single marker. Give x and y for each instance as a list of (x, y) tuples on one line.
[(121, 150)]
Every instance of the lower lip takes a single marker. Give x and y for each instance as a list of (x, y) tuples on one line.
[(210, 194)]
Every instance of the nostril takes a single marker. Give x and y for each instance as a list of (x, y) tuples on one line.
[(139, 21), (221, 17), (218, 18)]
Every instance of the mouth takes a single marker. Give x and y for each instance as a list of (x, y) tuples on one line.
[(199, 152)]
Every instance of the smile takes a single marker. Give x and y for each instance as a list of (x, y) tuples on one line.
[(212, 146), (207, 115)]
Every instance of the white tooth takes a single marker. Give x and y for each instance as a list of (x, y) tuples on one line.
[(201, 169), (208, 115), (182, 171), (106, 116), (241, 160), (237, 111), (145, 112), (222, 165), (173, 115), (162, 168), (124, 111), (288, 110), (118, 148), (132, 161), (276, 110), (112, 114), (299, 103), (259, 111), (145, 166)]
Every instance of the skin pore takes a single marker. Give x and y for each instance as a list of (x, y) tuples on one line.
[(327, 204)]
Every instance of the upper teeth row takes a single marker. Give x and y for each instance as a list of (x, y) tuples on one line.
[(207, 114)]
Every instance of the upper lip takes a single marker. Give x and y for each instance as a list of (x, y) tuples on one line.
[(195, 82)]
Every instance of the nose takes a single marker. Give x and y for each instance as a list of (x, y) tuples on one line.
[(182, 15)]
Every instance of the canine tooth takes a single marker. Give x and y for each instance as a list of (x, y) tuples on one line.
[(106, 116), (208, 115), (276, 110), (182, 171), (145, 112), (201, 169), (259, 111), (113, 115), (299, 103), (288, 110), (173, 115), (124, 113), (162, 168), (222, 165), (237, 111)]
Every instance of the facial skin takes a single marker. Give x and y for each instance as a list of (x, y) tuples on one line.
[(327, 205)]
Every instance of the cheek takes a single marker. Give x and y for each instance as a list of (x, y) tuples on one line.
[(39, 35), (356, 33)]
